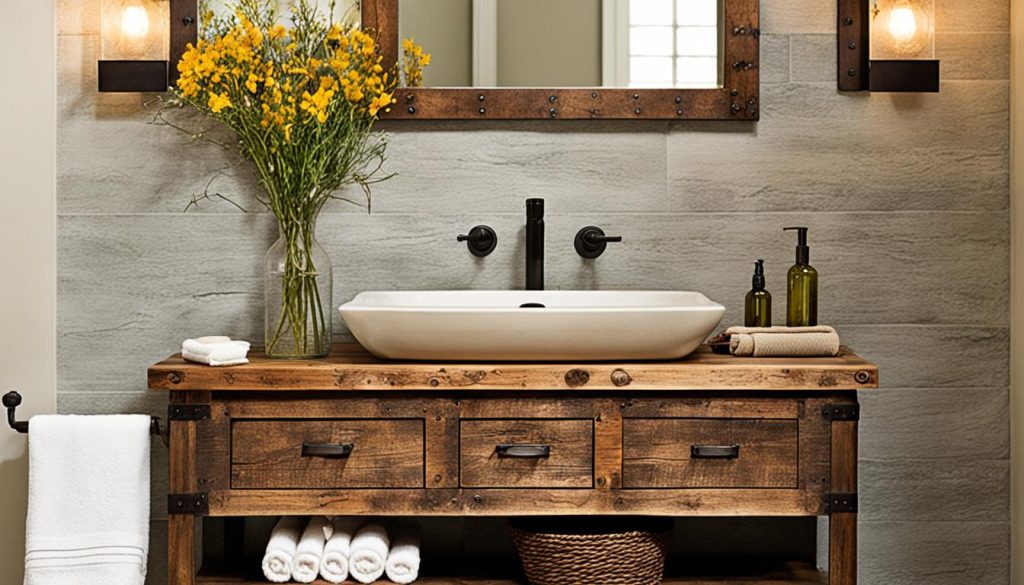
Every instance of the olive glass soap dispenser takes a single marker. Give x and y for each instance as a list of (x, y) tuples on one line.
[(801, 286), (758, 306)]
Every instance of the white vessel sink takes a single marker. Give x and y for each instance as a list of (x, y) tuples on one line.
[(531, 325)]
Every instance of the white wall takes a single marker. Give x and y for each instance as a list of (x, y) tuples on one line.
[(27, 242)]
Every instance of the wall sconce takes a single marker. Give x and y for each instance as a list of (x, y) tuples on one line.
[(887, 45), (140, 39)]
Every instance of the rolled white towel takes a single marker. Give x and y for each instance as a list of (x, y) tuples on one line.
[(215, 350), (277, 562), (310, 550), (369, 553), (403, 564), (334, 566)]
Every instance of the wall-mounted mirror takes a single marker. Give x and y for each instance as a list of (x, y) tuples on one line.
[(567, 43), (568, 59)]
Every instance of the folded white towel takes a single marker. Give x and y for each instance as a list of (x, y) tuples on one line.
[(215, 350), (88, 503), (284, 539), (334, 566), (369, 553), (403, 564), (310, 550)]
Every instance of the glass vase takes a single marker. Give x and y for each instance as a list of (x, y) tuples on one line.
[(298, 295)]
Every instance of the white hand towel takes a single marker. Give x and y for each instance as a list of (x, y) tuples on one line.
[(334, 566), (88, 503), (310, 550), (403, 564), (369, 553), (215, 350), (284, 539)]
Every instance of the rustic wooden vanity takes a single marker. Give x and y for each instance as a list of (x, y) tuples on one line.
[(709, 435)]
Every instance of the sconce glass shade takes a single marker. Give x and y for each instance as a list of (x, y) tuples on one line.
[(903, 29), (135, 30)]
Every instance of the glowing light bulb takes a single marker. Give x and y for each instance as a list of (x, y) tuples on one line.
[(902, 23), (134, 22)]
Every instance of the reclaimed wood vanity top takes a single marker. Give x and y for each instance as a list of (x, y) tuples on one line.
[(351, 368)]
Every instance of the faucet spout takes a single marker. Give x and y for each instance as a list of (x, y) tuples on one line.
[(534, 244)]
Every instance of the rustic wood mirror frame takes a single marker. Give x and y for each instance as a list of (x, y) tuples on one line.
[(737, 99)]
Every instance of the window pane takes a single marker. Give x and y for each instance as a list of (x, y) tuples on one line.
[(650, 70), (650, 12), (697, 12), (650, 40), (697, 41), (697, 71)]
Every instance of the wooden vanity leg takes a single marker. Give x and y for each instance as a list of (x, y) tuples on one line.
[(181, 528), (842, 558)]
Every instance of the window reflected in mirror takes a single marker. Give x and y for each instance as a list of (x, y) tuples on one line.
[(567, 43)]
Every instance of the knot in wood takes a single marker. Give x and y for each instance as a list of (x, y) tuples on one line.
[(576, 377), (621, 378)]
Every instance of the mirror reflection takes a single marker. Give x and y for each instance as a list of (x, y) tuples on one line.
[(567, 43)]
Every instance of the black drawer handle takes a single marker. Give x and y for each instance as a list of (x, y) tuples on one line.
[(524, 451), (714, 451), (327, 450)]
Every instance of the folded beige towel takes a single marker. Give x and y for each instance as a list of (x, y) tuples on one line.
[(817, 341)]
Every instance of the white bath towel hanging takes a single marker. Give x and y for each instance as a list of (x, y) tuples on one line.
[(403, 566), (284, 540), (310, 550), (370, 548), (334, 566), (88, 503)]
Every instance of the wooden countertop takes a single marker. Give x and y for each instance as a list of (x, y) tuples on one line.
[(350, 367)]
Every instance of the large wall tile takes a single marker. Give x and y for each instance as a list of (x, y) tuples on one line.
[(815, 149), (814, 57), (973, 55), (939, 490), (902, 422), (972, 16), (798, 16), (934, 357), (775, 58), (933, 553), (443, 168)]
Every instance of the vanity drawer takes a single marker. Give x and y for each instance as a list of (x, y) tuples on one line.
[(338, 453), (709, 453), (526, 453)]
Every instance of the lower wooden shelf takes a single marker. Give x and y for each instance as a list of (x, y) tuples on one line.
[(763, 573)]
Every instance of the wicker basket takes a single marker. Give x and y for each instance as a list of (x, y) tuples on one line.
[(592, 551)]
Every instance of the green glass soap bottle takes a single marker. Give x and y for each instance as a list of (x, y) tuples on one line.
[(758, 311), (801, 286)]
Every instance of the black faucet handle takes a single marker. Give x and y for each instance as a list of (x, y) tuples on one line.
[(481, 240), (591, 242)]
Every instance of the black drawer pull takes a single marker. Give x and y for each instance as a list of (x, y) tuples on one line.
[(327, 450), (714, 451), (523, 451)]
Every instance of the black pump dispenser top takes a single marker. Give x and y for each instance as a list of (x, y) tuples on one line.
[(759, 275), (803, 251)]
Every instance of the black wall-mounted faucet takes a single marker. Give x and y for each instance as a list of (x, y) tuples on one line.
[(534, 244), (591, 242), (480, 240)]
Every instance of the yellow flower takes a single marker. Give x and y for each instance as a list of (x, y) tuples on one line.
[(218, 102)]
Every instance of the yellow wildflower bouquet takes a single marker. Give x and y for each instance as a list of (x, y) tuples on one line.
[(303, 100)]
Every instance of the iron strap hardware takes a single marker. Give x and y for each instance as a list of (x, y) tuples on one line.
[(840, 502), (188, 412), (841, 412), (197, 504)]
